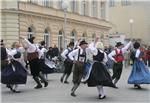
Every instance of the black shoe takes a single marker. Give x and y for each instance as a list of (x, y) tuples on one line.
[(10, 87), (99, 96), (102, 97), (45, 84), (16, 91), (61, 79), (115, 87), (66, 82), (138, 86), (38, 87), (72, 94)]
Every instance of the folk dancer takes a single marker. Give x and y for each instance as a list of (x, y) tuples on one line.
[(79, 56), (117, 56), (140, 73), (34, 62), (67, 63)]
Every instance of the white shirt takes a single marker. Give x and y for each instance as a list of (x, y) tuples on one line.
[(74, 54), (124, 49), (137, 54), (65, 52), (43, 51), (32, 48), (12, 52)]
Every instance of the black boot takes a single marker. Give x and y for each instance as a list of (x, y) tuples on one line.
[(43, 79), (115, 82), (38, 83), (138, 86), (66, 82), (74, 89)]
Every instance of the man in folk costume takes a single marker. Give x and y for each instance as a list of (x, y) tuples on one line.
[(117, 56), (67, 63), (78, 56), (33, 56)]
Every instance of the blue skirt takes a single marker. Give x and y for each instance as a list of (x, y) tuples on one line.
[(14, 73), (140, 73)]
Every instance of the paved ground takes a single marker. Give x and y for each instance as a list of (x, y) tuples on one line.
[(57, 92)]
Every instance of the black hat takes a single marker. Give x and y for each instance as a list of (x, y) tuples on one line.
[(71, 44), (118, 44), (136, 45), (31, 39), (2, 42), (83, 42)]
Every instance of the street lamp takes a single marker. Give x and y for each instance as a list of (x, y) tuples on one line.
[(131, 21), (64, 7)]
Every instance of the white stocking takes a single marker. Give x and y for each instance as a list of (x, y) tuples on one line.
[(100, 90)]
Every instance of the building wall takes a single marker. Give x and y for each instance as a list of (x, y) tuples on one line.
[(138, 11), (39, 17)]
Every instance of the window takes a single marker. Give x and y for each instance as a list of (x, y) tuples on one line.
[(125, 2), (103, 10), (46, 3), (46, 37), (74, 6), (60, 4), (30, 32), (93, 36), (111, 3), (32, 1), (83, 8), (73, 36), (94, 8), (60, 39), (84, 36)]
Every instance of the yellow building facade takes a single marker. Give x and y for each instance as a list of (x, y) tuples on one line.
[(45, 20), (132, 18)]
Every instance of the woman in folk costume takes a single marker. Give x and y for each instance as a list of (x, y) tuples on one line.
[(33, 55), (140, 73), (15, 73), (117, 56), (67, 63), (98, 75), (42, 58), (79, 58)]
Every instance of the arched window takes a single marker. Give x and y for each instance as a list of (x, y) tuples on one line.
[(84, 36), (93, 36), (74, 6), (30, 32), (94, 8), (46, 37), (84, 8), (60, 39), (73, 36)]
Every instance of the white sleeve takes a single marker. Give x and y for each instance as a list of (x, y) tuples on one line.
[(113, 53), (126, 47), (72, 54), (21, 49), (12, 52), (105, 58), (63, 54), (76, 44), (137, 54), (92, 49)]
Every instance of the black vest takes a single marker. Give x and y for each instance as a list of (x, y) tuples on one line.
[(3, 53), (99, 57)]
